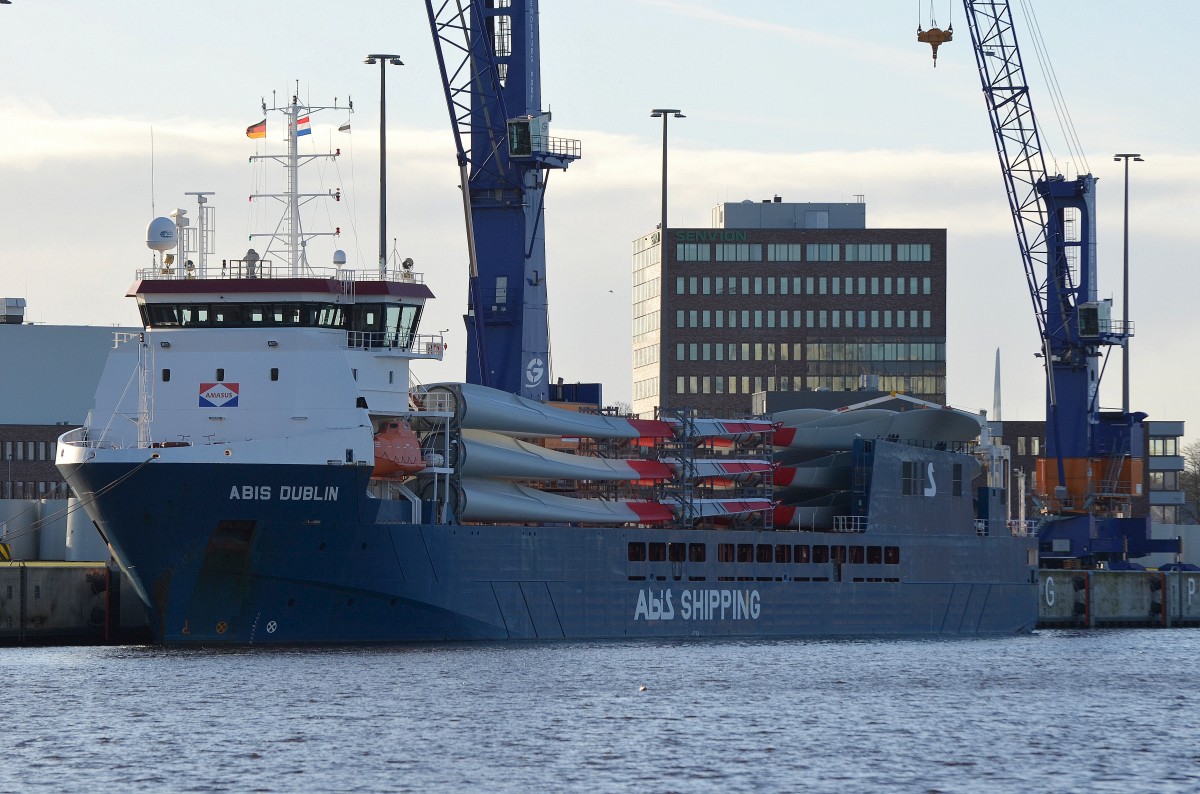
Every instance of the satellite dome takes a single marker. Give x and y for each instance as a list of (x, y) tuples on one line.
[(339, 258), (161, 235)]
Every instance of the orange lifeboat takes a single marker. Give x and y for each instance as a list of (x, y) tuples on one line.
[(397, 450)]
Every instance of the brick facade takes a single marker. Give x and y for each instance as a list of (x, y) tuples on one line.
[(857, 349), (27, 469)]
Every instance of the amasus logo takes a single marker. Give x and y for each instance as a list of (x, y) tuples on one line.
[(218, 395)]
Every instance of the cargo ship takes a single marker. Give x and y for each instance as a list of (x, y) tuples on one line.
[(261, 463)]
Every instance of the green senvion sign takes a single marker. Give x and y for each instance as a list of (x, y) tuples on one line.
[(709, 235)]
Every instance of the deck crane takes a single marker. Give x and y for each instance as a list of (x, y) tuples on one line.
[(489, 55), (1092, 469)]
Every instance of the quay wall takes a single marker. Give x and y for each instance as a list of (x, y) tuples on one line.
[(1109, 599)]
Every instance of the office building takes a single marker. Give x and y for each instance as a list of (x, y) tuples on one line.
[(786, 297)]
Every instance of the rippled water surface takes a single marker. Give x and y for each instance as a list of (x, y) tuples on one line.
[(1055, 711)]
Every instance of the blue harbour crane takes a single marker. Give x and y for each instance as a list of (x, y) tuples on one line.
[(1093, 465), (489, 55)]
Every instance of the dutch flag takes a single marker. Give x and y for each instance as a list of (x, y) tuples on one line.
[(302, 127)]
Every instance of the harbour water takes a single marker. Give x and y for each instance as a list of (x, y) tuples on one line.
[(1055, 711)]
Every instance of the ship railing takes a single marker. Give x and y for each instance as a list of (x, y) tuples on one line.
[(434, 401), (850, 524), (985, 527), (81, 437), (269, 269), (431, 346), (1022, 529), (122, 337)]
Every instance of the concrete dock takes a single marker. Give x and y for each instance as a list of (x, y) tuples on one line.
[(69, 603), (1111, 599)]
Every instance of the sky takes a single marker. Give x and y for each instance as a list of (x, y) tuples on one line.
[(109, 112)]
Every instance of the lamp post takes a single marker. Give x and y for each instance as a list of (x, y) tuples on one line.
[(1137, 158), (383, 61), (665, 113)]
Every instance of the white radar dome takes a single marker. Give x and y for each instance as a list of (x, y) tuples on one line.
[(161, 235), (339, 257)]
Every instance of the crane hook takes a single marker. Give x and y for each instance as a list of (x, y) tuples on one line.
[(935, 36)]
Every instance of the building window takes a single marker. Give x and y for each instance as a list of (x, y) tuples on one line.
[(926, 318), (679, 290), (1164, 481), (679, 318), (1164, 445), (739, 252), (927, 285), (822, 252), (912, 252), (692, 252), (783, 252), (868, 252), (1164, 514)]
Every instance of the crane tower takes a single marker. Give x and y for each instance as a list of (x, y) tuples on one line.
[(489, 55)]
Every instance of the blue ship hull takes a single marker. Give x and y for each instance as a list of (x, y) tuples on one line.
[(250, 554)]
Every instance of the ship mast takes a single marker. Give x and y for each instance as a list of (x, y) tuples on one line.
[(289, 240)]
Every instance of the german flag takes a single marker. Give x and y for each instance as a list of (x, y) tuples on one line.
[(258, 130)]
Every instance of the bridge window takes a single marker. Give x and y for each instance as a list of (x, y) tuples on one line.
[(874, 555), (637, 552), (745, 552), (696, 552), (658, 552), (676, 551), (783, 553), (802, 554), (857, 555), (764, 553), (724, 552), (820, 554), (891, 555)]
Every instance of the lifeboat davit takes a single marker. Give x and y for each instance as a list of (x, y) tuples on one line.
[(397, 451)]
